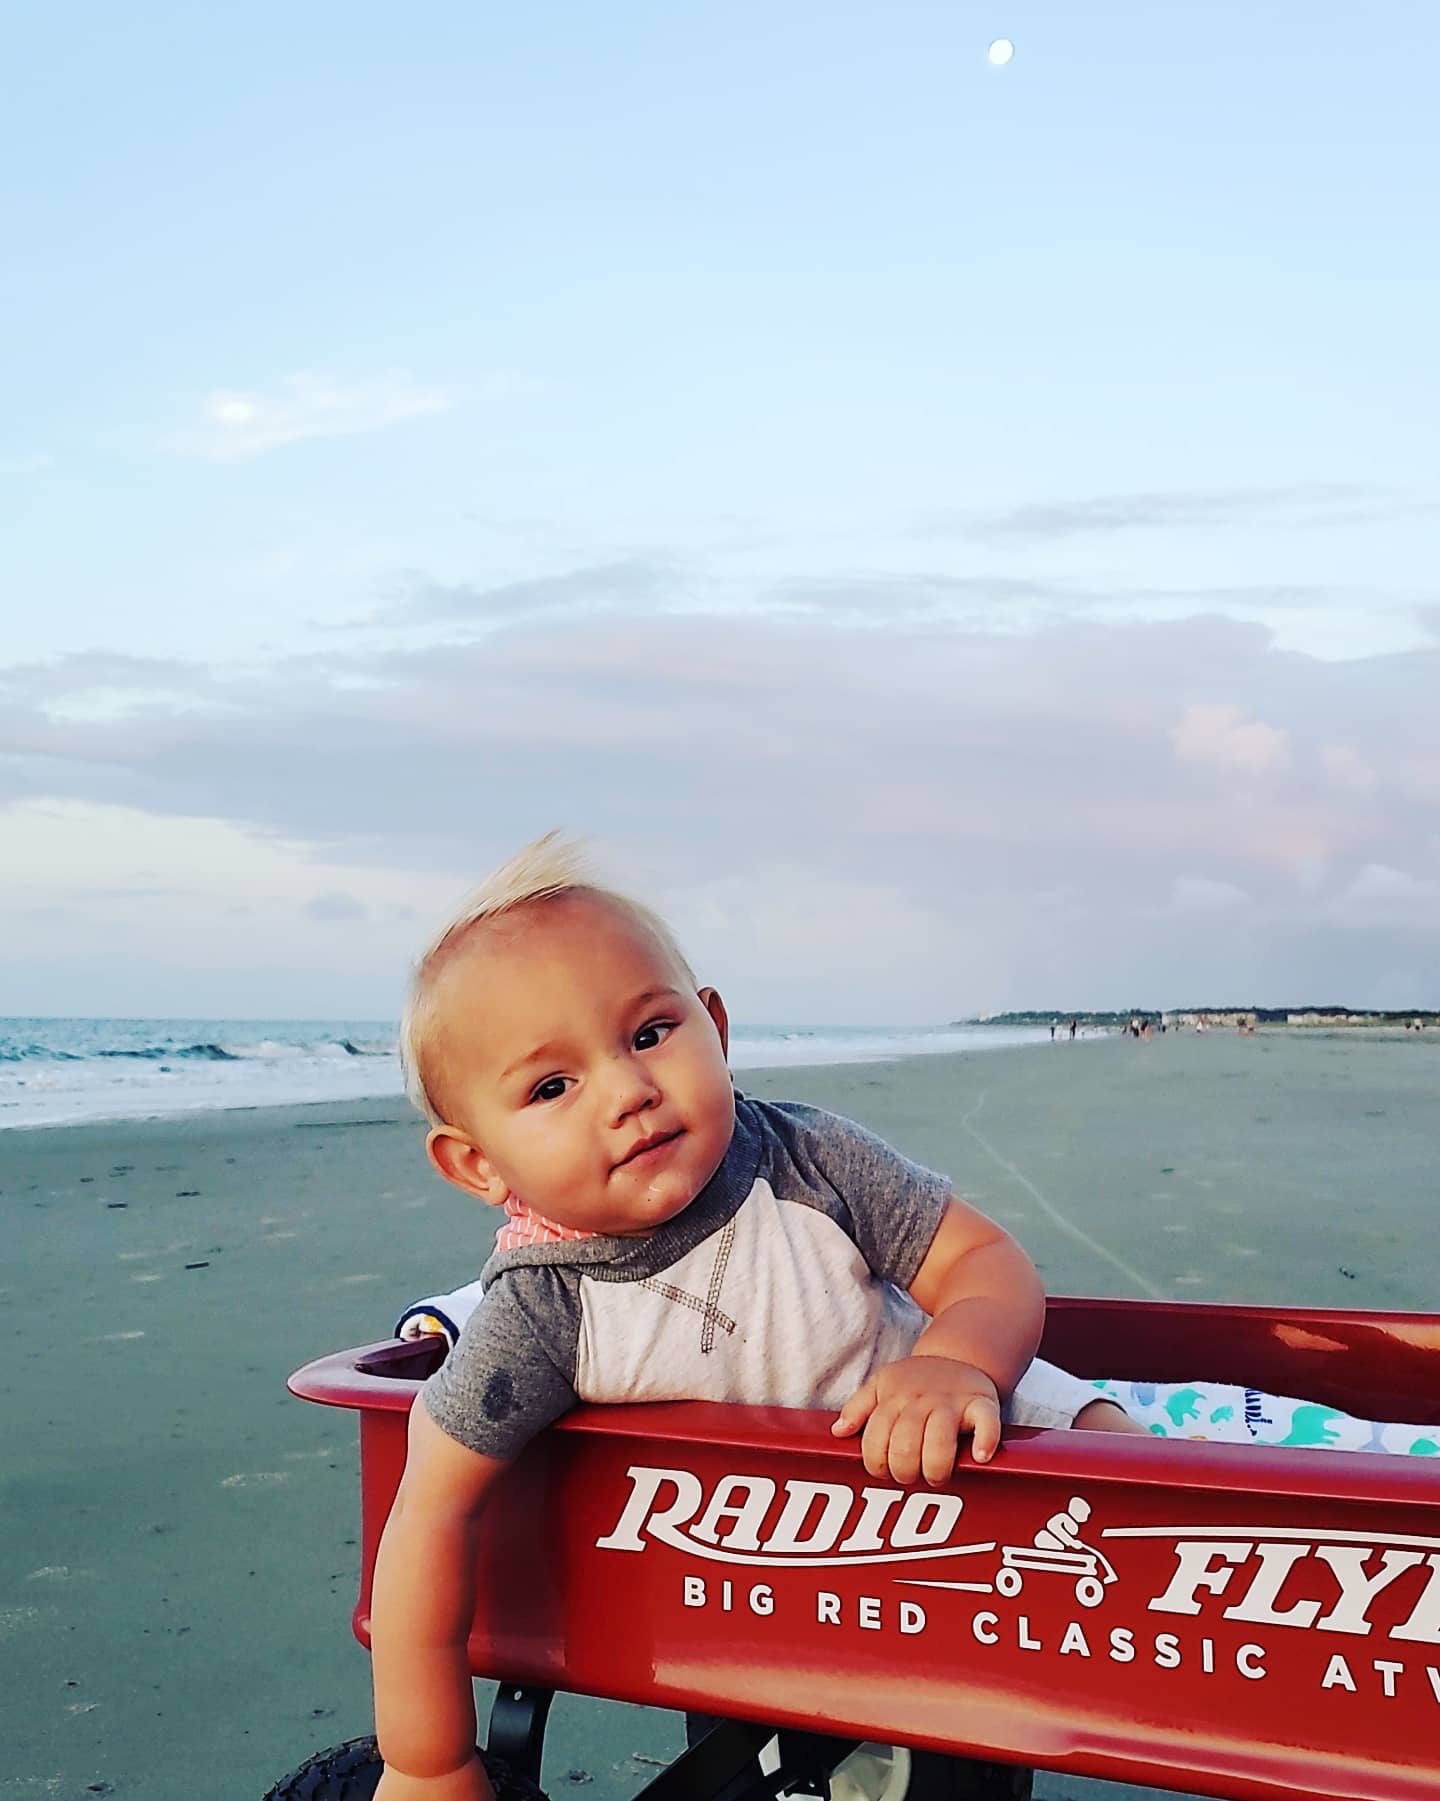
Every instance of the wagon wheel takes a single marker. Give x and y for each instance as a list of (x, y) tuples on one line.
[(351, 1772), (873, 1773), (891, 1773)]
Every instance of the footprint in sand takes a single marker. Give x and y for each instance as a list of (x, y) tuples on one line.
[(164, 1250)]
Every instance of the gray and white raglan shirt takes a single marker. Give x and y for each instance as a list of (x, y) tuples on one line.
[(783, 1283)]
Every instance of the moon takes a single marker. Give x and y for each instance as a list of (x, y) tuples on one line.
[(1000, 52)]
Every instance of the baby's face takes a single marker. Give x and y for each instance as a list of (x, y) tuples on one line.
[(584, 1069)]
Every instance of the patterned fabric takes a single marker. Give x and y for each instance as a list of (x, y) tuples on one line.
[(522, 1226), (1247, 1416)]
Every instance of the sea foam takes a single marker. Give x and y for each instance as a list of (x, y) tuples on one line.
[(55, 1071)]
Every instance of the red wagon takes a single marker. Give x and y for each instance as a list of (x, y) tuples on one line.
[(1229, 1620)]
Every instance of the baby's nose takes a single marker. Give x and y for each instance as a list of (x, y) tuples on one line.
[(633, 1087)]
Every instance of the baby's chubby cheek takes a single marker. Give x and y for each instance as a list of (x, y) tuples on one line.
[(713, 1141)]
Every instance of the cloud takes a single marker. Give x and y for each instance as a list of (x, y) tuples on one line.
[(1000, 737), (1377, 882), (1347, 767), (334, 905), (884, 600), (1009, 815), (97, 680), (659, 584), (614, 586), (1328, 619), (244, 423), (121, 944), (1194, 894), (1381, 895), (1303, 504), (1222, 737)]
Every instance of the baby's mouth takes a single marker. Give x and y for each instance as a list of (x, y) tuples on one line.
[(647, 1148)]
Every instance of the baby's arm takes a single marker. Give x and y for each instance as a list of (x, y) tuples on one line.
[(987, 1308), (422, 1605)]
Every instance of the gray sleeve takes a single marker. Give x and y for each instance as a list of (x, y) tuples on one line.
[(894, 1206), (512, 1371)]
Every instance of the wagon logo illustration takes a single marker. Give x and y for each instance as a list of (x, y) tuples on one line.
[(1058, 1549)]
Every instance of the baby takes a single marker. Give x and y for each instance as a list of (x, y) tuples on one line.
[(666, 1238)]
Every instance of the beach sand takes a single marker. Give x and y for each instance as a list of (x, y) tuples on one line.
[(177, 1555)]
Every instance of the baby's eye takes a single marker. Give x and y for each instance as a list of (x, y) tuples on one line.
[(550, 1089), (655, 1033)]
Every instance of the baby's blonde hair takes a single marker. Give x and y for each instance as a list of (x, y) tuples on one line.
[(551, 867)]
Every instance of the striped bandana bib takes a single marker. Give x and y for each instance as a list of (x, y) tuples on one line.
[(522, 1226)]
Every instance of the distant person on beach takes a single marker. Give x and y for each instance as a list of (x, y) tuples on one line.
[(667, 1237), (1074, 1027)]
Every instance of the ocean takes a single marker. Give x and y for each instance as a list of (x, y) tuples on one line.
[(54, 1071)]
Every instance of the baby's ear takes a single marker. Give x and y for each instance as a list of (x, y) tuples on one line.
[(465, 1165), (715, 1007)]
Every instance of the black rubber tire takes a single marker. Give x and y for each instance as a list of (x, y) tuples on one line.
[(936, 1777), (351, 1772)]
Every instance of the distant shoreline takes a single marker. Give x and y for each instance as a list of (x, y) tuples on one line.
[(76, 1070), (1297, 1018)]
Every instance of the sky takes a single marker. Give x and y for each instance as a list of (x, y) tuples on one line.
[(955, 537)]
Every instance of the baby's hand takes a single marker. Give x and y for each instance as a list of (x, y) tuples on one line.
[(915, 1413)]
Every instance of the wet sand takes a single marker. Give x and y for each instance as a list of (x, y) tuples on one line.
[(177, 1558)]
